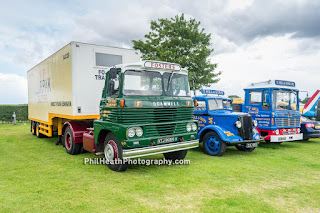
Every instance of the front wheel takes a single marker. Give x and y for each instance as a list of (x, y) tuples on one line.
[(113, 153), (243, 148), (177, 155), (213, 145)]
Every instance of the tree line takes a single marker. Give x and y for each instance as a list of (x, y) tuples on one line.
[(6, 112)]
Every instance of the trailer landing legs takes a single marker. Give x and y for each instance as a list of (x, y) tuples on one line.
[(59, 141)]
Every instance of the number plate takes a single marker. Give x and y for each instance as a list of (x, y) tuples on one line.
[(317, 127), (251, 145), (165, 140), (282, 138)]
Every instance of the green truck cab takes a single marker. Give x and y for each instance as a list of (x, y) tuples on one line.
[(146, 109)]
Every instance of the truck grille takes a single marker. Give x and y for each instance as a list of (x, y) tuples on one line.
[(284, 122), (165, 129), (150, 115), (246, 129)]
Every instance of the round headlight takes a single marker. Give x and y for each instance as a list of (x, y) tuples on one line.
[(139, 131), (189, 127), (130, 132), (194, 127), (238, 124), (255, 123), (277, 132)]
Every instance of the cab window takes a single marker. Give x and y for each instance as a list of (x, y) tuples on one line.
[(201, 106), (255, 97)]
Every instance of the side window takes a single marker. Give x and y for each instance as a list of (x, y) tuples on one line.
[(255, 97), (107, 60), (201, 106), (266, 100)]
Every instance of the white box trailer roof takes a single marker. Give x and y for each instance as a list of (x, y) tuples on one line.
[(69, 83)]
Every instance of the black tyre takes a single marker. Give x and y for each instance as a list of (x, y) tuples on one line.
[(213, 145), (38, 134), (113, 153), (178, 155), (243, 148), (33, 127), (71, 147)]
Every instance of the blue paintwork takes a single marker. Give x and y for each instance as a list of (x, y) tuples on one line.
[(213, 144), (221, 121), (264, 116)]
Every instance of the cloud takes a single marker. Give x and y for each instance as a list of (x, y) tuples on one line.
[(13, 89)]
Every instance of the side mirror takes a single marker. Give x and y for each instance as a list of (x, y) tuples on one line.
[(113, 73), (111, 87)]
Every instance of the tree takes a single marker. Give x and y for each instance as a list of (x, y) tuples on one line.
[(180, 41), (233, 97)]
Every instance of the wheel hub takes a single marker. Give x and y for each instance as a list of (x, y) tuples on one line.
[(111, 151)]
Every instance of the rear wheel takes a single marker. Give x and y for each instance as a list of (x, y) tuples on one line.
[(72, 148), (243, 148), (33, 128), (38, 134), (113, 153), (178, 155), (213, 145)]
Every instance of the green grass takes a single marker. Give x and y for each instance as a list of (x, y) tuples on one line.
[(38, 176)]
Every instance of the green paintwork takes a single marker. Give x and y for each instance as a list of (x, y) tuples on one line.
[(159, 117)]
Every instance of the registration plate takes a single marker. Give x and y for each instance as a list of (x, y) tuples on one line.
[(282, 138), (251, 145), (317, 127), (165, 140)]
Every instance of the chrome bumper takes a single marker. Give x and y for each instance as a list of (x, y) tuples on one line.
[(153, 150)]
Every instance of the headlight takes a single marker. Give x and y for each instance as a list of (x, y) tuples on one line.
[(139, 131), (238, 124), (277, 132), (130, 132), (255, 123), (194, 126), (188, 127), (298, 130)]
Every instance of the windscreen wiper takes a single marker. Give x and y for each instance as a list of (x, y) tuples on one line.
[(169, 80)]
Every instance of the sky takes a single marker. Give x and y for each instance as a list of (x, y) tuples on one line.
[(253, 40)]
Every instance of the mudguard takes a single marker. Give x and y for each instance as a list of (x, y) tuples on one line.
[(224, 134)]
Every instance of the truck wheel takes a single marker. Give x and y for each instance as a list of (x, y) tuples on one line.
[(38, 134), (33, 128), (213, 145), (72, 148), (178, 155), (113, 153), (245, 149)]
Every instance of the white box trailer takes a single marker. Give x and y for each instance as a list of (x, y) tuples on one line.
[(68, 84)]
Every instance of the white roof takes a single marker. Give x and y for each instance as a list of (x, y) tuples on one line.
[(160, 66), (273, 84)]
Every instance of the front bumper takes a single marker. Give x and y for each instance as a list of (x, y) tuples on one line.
[(283, 138), (244, 142), (164, 148), (311, 135)]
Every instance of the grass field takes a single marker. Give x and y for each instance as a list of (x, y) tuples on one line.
[(38, 176)]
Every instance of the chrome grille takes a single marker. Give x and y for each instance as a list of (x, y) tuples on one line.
[(283, 122), (165, 129)]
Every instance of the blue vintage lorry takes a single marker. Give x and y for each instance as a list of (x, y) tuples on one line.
[(274, 104), (219, 126)]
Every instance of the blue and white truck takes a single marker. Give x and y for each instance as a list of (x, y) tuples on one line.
[(274, 105)]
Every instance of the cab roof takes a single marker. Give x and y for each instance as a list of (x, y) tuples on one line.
[(281, 84), (207, 97), (159, 66)]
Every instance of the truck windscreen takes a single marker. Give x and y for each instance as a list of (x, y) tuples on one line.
[(176, 84), (285, 100), (219, 104), (143, 83)]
